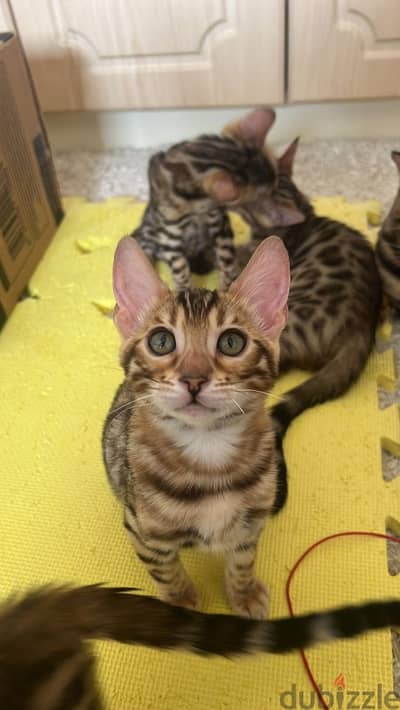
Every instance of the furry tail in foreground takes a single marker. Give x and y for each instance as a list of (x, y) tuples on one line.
[(43, 659)]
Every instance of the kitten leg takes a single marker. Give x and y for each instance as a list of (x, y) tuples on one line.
[(180, 269), (175, 258), (226, 255), (147, 239), (162, 562), (247, 595)]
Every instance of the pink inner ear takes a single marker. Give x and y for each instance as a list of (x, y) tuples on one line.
[(280, 215), (136, 285), (256, 125), (264, 284)]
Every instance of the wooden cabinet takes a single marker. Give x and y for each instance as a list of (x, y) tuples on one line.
[(343, 49), (111, 54), (135, 54)]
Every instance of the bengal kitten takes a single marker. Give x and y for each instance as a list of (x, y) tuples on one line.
[(45, 663), (388, 248), (185, 223), (188, 444), (334, 304)]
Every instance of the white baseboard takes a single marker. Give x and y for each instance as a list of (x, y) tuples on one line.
[(139, 129)]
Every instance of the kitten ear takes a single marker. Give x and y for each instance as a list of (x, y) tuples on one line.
[(396, 158), (254, 127), (285, 162), (136, 285), (221, 186), (264, 284), (283, 216), (155, 170)]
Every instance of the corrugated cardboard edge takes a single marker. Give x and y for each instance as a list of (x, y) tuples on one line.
[(37, 151)]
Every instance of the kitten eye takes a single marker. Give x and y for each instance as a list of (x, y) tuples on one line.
[(232, 342), (161, 342)]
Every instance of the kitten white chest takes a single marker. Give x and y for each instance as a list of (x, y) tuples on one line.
[(208, 448), (214, 449)]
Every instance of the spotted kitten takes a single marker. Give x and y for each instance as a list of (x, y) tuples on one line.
[(45, 663), (334, 304), (185, 223), (388, 248), (188, 444)]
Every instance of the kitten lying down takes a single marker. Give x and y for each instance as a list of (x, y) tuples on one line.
[(46, 665)]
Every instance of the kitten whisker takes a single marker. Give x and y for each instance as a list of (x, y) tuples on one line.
[(123, 406), (119, 410), (238, 405), (266, 394), (145, 396), (126, 405)]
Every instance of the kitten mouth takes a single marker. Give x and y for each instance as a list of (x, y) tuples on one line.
[(195, 409)]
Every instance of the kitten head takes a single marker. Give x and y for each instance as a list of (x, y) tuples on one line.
[(253, 193), (287, 200), (227, 170), (194, 354), (235, 171), (172, 186)]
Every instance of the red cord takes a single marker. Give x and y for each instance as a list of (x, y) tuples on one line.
[(290, 603)]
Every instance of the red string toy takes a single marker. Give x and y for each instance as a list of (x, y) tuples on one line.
[(293, 571)]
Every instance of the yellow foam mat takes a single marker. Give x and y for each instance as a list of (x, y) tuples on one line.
[(59, 521)]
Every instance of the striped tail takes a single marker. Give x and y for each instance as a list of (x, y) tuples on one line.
[(150, 622), (42, 654), (332, 380), (100, 613)]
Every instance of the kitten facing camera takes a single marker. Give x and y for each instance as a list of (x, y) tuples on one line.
[(188, 444)]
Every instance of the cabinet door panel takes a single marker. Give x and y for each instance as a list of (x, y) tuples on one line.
[(109, 54), (6, 21), (343, 49)]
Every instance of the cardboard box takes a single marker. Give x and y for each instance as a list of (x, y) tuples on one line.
[(30, 206)]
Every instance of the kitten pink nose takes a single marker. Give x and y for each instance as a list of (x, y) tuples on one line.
[(194, 382)]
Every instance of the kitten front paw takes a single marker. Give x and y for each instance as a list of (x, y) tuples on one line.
[(189, 598), (253, 602)]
